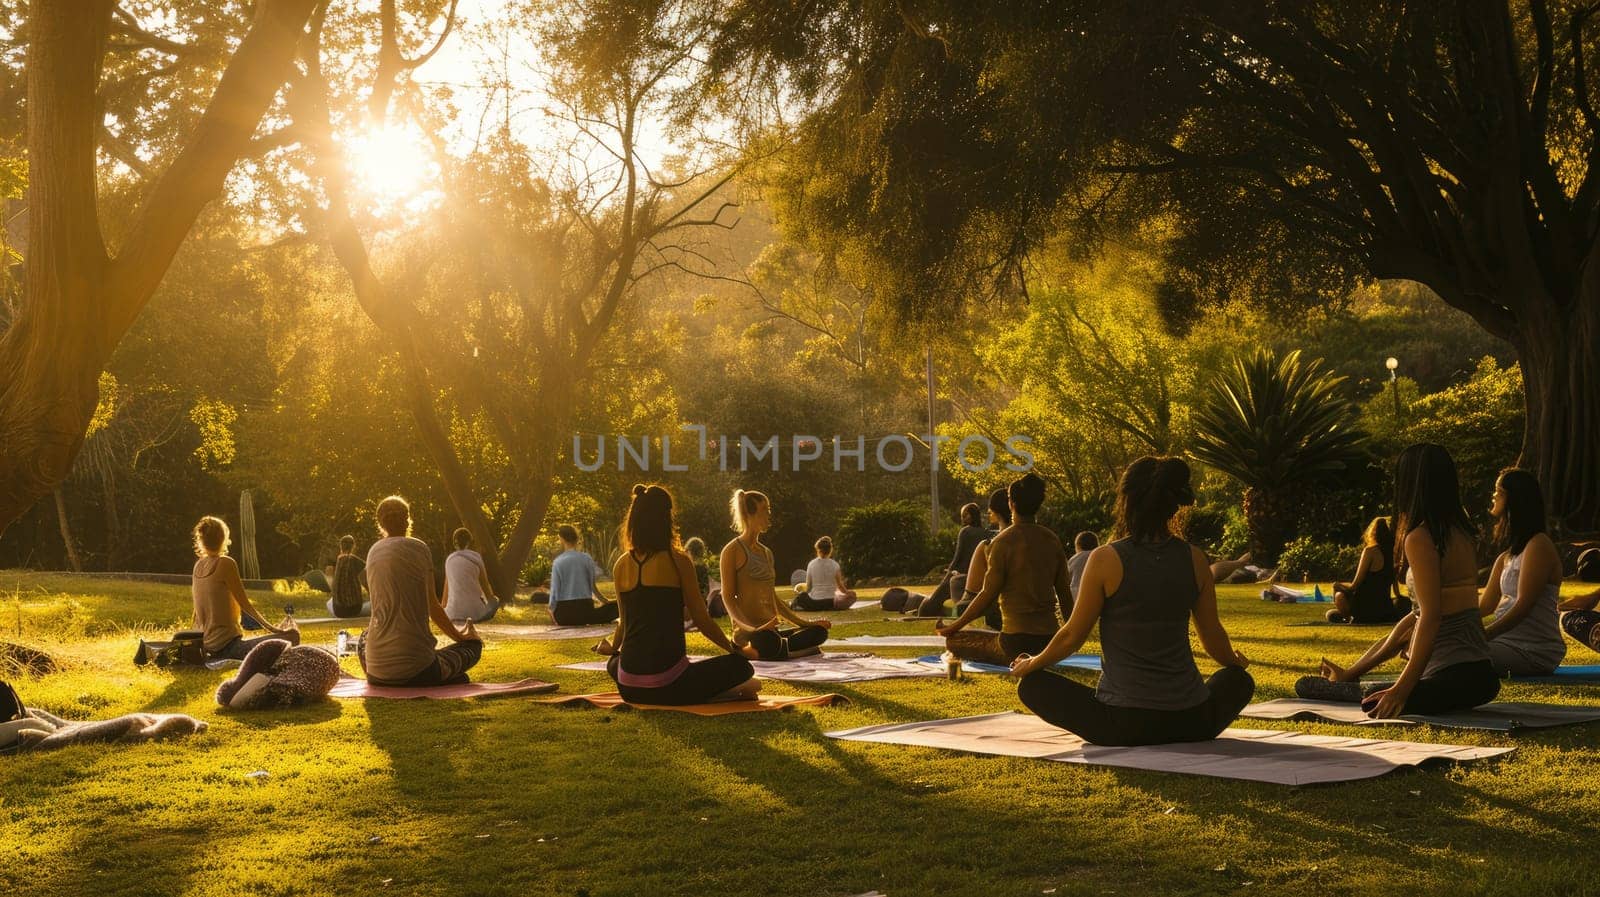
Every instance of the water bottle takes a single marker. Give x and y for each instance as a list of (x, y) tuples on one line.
[(344, 642), (952, 665)]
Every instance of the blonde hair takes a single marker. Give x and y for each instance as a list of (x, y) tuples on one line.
[(394, 516), (211, 534), (742, 505)]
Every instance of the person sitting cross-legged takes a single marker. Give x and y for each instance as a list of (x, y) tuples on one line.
[(220, 601), (657, 589), (1143, 590), (468, 594), (575, 600), (749, 591), (398, 649)]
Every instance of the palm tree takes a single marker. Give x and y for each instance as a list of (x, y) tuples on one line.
[(1280, 427)]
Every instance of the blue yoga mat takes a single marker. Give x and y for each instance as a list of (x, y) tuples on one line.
[(1567, 675), (1076, 662)]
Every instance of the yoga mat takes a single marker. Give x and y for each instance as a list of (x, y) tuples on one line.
[(1282, 758), (350, 687), (1075, 662), (613, 701), (1586, 674), (361, 621), (1348, 625), (1501, 716), (892, 641), (831, 668), (916, 619), (544, 633)]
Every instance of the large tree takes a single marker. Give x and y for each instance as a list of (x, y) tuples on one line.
[(1286, 150), (80, 295)]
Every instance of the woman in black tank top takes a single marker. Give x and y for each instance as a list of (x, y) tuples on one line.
[(1142, 590), (656, 584)]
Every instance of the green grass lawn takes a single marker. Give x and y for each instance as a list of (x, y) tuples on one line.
[(516, 798)]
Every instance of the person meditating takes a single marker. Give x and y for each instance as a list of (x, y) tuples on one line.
[(1448, 662), (349, 578), (1142, 589), (398, 649), (656, 589), (954, 581), (749, 589), (572, 589), (1524, 589), (219, 597), (1027, 574), (824, 585), (1369, 597), (468, 594), (999, 518)]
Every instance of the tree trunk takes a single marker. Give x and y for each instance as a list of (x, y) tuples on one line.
[(66, 533), (1559, 350), (78, 302)]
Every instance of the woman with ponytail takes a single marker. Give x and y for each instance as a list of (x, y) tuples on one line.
[(749, 588), (656, 589), (1143, 589)]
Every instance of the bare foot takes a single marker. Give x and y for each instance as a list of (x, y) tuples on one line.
[(749, 691), (1335, 673)]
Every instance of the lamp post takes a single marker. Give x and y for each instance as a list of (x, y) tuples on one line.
[(1393, 364)]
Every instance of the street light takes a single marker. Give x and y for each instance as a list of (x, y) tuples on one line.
[(1393, 364)]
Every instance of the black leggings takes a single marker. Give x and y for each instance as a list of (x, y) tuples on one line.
[(449, 667), (804, 601), (1460, 686), (1583, 626), (701, 682), (1069, 705), (582, 612), (778, 644), (239, 647)]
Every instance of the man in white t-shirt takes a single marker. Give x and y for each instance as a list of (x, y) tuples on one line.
[(824, 586), (468, 594)]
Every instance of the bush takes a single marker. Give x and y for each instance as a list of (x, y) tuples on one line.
[(886, 539), (1068, 517), (1306, 557), (1205, 525)]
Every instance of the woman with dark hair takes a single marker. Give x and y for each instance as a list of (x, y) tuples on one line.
[(656, 587), (1448, 661), (824, 588), (1143, 589), (749, 588), (468, 593), (954, 580), (1369, 597), (1026, 575), (999, 512), (1524, 586)]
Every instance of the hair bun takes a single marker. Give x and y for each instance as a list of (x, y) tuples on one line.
[(638, 489)]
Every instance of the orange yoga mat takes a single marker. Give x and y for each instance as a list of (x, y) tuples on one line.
[(613, 701)]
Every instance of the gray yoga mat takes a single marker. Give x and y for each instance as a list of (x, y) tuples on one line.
[(1283, 758), (543, 633), (892, 641), (829, 668), (1503, 716)]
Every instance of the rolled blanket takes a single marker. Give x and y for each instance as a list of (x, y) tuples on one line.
[(41, 731), (274, 674)]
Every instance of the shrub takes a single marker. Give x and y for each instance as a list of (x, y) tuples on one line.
[(1068, 517), (1306, 557), (1205, 525), (885, 539)]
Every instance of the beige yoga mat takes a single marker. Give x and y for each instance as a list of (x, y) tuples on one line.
[(892, 641), (613, 701), (1504, 716), (828, 668), (350, 687), (1283, 758)]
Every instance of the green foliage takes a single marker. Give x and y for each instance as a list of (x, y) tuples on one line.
[(1480, 421), (889, 538), (1274, 422), (214, 419), (1307, 556)]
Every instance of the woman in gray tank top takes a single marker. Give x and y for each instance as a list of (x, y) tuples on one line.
[(1447, 667), (1143, 589)]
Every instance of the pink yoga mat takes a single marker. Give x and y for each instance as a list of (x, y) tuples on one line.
[(613, 701), (361, 688)]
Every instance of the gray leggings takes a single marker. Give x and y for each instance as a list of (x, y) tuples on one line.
[(449, 667)]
